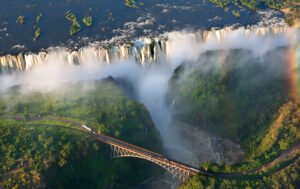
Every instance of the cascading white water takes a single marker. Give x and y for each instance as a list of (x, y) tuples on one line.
[(142, 50)]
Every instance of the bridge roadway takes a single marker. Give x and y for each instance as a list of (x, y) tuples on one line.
[(144, 152)]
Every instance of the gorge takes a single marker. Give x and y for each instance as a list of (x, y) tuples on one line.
[(224, 99)]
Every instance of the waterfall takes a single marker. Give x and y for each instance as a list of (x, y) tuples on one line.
[(142, 50)]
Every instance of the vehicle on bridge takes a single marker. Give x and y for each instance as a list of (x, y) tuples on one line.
[(86, 127)]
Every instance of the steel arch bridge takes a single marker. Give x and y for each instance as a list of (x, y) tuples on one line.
[(179, 171), (120, 148)]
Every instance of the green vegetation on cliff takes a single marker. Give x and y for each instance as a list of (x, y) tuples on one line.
[(248, 100), (274, 163), (43, 151), (236, 98)]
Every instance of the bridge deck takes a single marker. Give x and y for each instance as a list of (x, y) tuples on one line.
[(144, 152)]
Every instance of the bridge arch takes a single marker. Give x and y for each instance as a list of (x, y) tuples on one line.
[(179, 171)]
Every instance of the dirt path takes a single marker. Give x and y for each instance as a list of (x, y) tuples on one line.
[(292, 155), (285, 156)]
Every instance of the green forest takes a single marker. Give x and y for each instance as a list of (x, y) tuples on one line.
[(242, 99), (41, 147)]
